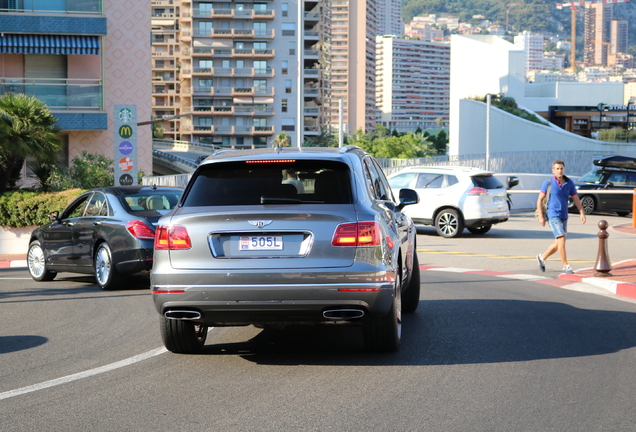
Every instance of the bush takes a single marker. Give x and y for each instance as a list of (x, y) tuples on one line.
[(21, 208)]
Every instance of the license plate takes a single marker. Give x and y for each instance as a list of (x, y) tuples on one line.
[(497, 199), (259, 243)]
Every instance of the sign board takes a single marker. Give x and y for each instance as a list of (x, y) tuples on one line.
[(126, 163)]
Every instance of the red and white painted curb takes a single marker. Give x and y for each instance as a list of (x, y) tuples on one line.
[(622, 289), (14, 264)]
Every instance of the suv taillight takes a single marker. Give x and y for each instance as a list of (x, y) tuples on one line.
[(140, 230), (477, 191), (172, 237), (357, 234)]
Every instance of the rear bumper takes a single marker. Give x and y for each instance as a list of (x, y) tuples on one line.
[(485, 221), (133, 261), (303, 301)]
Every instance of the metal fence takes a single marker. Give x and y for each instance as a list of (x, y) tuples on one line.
[(577, 163)]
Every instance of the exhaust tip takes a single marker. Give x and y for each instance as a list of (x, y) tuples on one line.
[(182, 315), (343, 314)]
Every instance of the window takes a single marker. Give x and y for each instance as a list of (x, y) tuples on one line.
[(260, 86), (285, 9), (289, 29), (260, 46), (288, 86), (260, 66), (240, 141), (260, 29), (283, 107), (260, 122), (288, 124), (292, 47), (205, 121), (285, 66)]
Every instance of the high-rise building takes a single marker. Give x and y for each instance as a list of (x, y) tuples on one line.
[(81, 58), (598, 18), (389, 16), (243, 72), (413, 84), (352, 74), (619, 30), (532, 45)]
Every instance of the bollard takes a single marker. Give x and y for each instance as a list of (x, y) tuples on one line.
[(634, 209), (603, 264)]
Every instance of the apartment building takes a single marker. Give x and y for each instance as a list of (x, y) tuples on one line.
[(80, 57), (352, 68), (532, 46), (413, 84), (389, 17), (596, 44), (238, 74)]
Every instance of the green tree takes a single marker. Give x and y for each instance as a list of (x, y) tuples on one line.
[(26, 128), (325, 139), (282, 140)]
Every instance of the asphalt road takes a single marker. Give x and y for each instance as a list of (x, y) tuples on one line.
[(480, 354)]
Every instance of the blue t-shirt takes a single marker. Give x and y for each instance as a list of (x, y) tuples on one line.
[(559, 196)]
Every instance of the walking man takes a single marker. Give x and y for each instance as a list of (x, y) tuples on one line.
[(561, 189)]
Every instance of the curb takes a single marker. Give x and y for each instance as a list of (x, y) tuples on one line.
[(13, 264), (622, 289), (618, 288)]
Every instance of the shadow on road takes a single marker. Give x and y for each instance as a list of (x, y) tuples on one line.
[(503, 233), (451, 332), (19, 343)]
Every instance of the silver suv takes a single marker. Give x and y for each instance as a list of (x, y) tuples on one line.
[(282, 236)]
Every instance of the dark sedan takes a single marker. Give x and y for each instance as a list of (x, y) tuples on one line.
[(615, 173), (108, 232)]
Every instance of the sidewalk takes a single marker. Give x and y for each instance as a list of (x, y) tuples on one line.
[(621, 280)]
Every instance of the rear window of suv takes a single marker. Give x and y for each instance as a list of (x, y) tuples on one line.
[(487, 182), (270, 182)]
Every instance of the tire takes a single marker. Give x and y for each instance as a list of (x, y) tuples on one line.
[(449, 223), (411, 295), (622, 213), (588, 203), (36, 263), (383, 333), (182, 337), (480, 229), (105, 272)]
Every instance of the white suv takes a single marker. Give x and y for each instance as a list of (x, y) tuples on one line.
[(453, 198)]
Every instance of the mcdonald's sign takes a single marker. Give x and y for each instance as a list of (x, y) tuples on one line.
[(125, 147)]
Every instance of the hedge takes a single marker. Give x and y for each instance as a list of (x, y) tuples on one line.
[(20, 209)]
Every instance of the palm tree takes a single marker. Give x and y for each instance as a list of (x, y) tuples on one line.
[(282, 140), (26, 129)]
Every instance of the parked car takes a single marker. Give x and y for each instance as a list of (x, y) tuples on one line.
[(245, 248), (108, 232), (615, 173), (453, 198)]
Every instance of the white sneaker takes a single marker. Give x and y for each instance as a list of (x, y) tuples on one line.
[(567, 270), (541, 263)]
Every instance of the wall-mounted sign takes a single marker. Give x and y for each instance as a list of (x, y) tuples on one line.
[(126, 164), (607, 107)]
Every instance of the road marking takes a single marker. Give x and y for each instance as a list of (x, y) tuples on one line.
[(91, 372), (469, 254)]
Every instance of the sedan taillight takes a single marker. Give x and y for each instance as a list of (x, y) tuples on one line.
[(140, 230), (172, 237), (357, 234), (477, 191)]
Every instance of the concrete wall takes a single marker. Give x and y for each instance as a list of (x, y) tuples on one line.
[(489, 64), (511, 133)]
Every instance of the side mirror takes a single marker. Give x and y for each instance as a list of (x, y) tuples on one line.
[(609, 185), (512, 181), (54, 216), (408, 197)]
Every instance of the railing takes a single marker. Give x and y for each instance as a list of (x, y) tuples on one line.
[(69, 6), (58, 93)]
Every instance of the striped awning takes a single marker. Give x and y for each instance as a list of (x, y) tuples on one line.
[(48, 44)]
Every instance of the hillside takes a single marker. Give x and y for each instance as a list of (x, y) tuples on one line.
[(534, 15)]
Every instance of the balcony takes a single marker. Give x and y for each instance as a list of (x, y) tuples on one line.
[(253, 53), (159, 3), (262, 130), (311, 111), (203, 129), (57, 7), (58, 94)]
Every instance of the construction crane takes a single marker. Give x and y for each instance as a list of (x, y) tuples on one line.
[(573, 5)]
